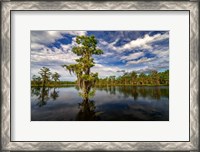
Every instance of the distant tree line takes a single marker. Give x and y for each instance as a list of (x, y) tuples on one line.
[(46, 78), (132, 78)]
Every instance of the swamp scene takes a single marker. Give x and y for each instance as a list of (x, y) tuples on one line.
[(99, 75)]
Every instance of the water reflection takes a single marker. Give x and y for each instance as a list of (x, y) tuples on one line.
[(132, 91), (113, 103), (87, 111), (54, 94), (43, 96), (35, 91)]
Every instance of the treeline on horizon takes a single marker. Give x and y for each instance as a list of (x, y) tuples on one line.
[(48, 79), (132, 78)]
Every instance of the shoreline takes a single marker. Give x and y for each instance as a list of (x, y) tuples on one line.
[(122, 85)]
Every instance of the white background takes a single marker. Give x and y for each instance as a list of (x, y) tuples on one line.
[(176, 129)]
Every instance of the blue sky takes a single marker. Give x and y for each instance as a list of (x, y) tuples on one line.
[(124, 51)]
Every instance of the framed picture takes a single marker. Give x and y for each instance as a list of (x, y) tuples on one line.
[(91, 75)]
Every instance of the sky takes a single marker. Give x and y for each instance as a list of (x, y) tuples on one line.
[(124, 51)]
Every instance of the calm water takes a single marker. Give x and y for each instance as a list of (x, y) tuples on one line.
[(120, 103)]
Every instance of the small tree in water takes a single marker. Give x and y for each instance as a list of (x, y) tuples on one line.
[(86, 47), (45, 75), (55, 76)]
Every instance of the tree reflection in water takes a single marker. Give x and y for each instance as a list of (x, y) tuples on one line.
[(126, 91), (135, 92), (54, 94), (42, 94), (109, 103), (87, 107), (87, 111), (35, 91)]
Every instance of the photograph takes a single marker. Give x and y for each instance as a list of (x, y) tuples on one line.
[(78, 75), (100, 76)]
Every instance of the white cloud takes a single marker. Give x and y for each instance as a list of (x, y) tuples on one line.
[(65, 75), (76, 32), (106, 71), (53, 55), (47, 37), (145, 70), (107, 54), (66, 47), (132, 56), (143, 43), (36, 46), (161, 53), (44, 37), (142, 60), (52, 58)]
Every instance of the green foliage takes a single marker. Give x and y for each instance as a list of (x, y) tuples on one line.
[(132, 78), (47, 78), (55, 76), (45, 75), (43, 94), (86, 47)]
